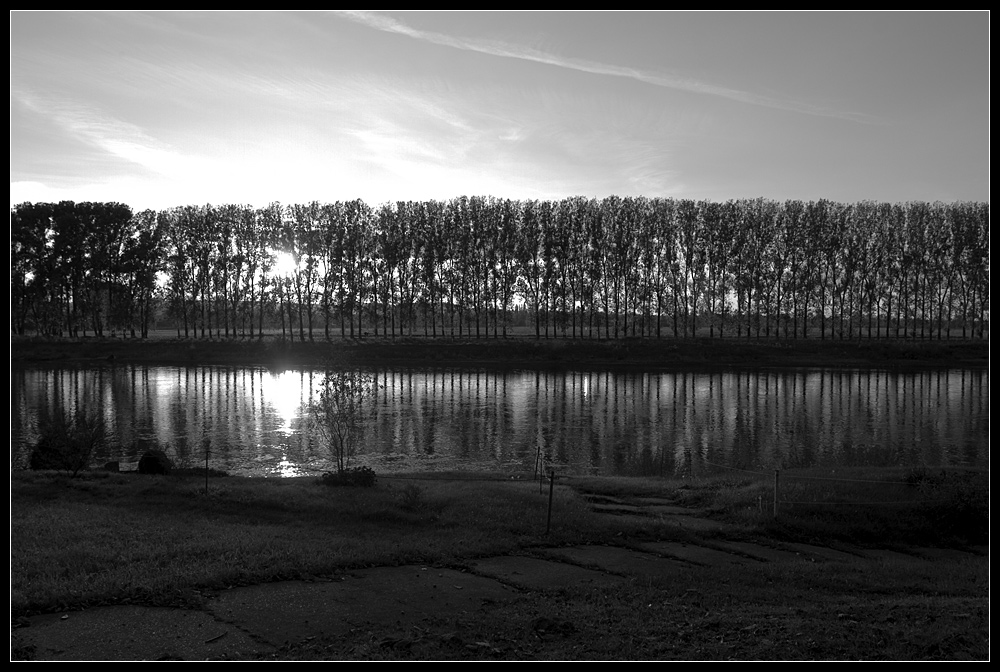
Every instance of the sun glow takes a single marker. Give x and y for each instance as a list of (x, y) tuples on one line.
[(284, 264)]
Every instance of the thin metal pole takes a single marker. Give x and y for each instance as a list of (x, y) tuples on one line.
[(776, 472), (207, 448), (539, 468), (552, 482)]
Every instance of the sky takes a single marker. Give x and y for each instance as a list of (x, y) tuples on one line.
[(158, 109)]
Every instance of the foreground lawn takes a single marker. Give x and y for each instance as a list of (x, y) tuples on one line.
[(125, 538), (105, 538)]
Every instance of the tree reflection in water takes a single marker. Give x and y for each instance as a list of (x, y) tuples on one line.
[(585, 422)]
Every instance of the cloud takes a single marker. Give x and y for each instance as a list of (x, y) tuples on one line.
[(660, 79), (115, 137)]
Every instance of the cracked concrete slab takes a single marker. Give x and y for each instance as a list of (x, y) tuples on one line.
[(134, 633), (537, 574), (699, 555), (621, 560), (292, 611)]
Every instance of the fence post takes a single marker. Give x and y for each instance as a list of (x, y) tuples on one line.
[(776, 472), (552, 482), (208, 446)]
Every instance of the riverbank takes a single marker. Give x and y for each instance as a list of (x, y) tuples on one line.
[(471, 566), (517, 353)]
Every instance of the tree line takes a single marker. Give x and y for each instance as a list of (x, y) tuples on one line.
[(475, 266)]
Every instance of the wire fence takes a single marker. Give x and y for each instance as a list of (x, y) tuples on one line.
[(789, 489), (780, 490)]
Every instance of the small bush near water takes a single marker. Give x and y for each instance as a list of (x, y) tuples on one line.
[(155, 462), (412, 497), (68, 444), (363, 477)]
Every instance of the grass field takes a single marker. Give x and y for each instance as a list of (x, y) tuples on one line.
[(125, 538)]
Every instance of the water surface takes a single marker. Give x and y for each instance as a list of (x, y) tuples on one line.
[(253, 421)]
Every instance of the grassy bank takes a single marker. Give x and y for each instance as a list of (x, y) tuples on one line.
[(104, 538), (519, 352), (125, 538), (878, 507)]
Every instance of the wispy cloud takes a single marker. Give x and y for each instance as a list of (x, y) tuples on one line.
[(118, 138), (660, 79)]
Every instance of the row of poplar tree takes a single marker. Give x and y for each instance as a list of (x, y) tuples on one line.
[(476, 266)]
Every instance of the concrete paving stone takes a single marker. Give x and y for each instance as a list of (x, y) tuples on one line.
[(617, 509), (820, 553), (666, 506), (659, 500), (701, 555), (694, 523), (292, 611), (952, 554), (133, 633), (757, 551), (671, 510), (883, 554), (620, 561), (537, 574)]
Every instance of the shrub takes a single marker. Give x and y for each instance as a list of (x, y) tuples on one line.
[(48, 453), (155, 462), (363, 477), (342, 410), (412, 497), (69, 444)]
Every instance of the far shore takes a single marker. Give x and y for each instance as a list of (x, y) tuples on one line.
[(520, 352)]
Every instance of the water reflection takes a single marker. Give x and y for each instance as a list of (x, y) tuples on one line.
[(252, 421)]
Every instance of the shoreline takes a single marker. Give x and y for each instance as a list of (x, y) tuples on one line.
[(511, 353)]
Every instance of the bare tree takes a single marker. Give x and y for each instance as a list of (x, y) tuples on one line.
[(341, 413)]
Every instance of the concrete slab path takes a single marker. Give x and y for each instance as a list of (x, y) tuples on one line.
[(254, 622)]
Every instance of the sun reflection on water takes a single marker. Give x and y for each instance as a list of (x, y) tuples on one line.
[(285, 393)]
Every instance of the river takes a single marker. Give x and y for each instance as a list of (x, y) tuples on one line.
[(252, 421)]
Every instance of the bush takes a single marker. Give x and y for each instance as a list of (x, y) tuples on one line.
[(155, 462), (341, 411), (48, 454), (363, 477), (68, 444), (412, 497)]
